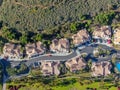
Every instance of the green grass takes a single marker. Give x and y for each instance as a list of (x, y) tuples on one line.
[(0, 87), (75, 86), (35, 85)]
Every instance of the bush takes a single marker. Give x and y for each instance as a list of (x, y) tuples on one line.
[(105, 18)]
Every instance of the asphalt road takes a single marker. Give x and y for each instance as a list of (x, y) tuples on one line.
[(47, 58), (88, 50)]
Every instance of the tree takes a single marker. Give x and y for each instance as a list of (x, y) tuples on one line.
[(89, 64), (7, 33), (105, 18), (10, 35), (82, 17), (11, 71), (1, 45), (46, 43), (23, 39), (73, 27), (22, 68), (37, 37)]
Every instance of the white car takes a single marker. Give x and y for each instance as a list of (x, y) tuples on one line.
[(81, 47)]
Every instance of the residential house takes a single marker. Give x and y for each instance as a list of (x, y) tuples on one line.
[(116, 35), (82, 37), (75, 64), (50, 68), (12, 51), (34, 49), (101, 68), (60, 46), (102, 34)]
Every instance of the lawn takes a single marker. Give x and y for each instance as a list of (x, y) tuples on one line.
[(75, 86), (0, 87), (66, 83)]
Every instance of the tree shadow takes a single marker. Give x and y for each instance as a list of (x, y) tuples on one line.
[(17, 33), (1, 1), (3, 39), (5, 64), (90, 56)]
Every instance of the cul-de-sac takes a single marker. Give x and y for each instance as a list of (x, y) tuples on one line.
[(59, 44)]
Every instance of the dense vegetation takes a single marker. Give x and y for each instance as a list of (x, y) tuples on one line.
[(20, 69), (23, 21), (33, 15)]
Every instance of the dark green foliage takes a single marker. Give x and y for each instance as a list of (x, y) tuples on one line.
[(105, 18), (6, 33), (37, 37), (73, 27), (24, 39), (11, 71)]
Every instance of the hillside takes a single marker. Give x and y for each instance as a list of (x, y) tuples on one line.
[(33, 15)]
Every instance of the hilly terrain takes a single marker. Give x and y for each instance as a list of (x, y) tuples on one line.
[(33, 15)]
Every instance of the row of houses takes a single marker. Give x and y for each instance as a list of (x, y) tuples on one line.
[(76, 64), (14, 51), (100, 34)]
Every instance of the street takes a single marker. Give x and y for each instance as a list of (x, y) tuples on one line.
[(88, 49)]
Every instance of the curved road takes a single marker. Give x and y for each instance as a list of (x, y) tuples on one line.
[(88, 49), (47, 58)]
